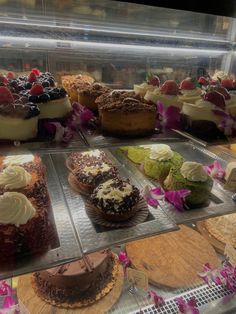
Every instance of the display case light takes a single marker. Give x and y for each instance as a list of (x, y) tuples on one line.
[(57, 43)]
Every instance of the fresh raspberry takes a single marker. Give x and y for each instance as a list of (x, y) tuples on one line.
[(37, 89), (203, 81), (216, 98), (35, 71), (3, 80), (10, 75), (6, 96), (32, 77), (187, 84), (227, 84), (154, 81), (169, 88)]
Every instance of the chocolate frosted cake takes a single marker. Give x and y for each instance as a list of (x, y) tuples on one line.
[(116, 199), (79, 283), (126, 114), (89, 93)]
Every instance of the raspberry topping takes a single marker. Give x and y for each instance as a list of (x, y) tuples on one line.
[(215, 98), (203, 81), (32, 77), (169, 88), (36, 71), (6, 96), (3, 80), (187, 84), (227, 84), (10, 75), (36, 89)]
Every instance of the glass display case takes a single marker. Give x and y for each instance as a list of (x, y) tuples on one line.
[(132, 172)]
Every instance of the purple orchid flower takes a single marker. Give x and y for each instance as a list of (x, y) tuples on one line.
[(187, 307), (156, 299), (152, 195), (177, 198), (60, 133), (169, 117), (227, 124), (215, 170), (9, 306), (124, 259), (5, 288)]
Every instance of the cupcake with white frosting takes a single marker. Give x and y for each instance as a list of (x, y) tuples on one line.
[(190, 93), (160, 160), (191, 176)]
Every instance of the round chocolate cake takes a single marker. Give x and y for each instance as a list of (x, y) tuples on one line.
[(79, 283)]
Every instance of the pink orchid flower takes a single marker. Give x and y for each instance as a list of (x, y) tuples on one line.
[(5, 288), (124, 259), (187, 307), (9, 306), (215, 170), (156, 299), (169, 117)]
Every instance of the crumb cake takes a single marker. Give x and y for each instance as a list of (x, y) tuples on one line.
[(87, 95), (78, 283), (25, 205), (87, 177), (116, 199), (126, 114)]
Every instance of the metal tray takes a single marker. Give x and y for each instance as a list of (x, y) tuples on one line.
[(221, 202), (65, 247), (94, 237), (94, 138), (43, 146)]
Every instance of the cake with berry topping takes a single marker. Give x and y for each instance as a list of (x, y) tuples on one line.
[(116, 199), (53, 102), (78, 283), (169, 94), (189, 91), (150, 86), (86, 178), (205, 116), (18, 117), (126, 114), (25, 227), (87, 95)]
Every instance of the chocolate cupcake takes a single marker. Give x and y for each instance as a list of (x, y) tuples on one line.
[(86, 178), (89, 93), (116, 199)]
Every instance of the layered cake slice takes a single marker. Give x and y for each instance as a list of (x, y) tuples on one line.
[(79, 283)]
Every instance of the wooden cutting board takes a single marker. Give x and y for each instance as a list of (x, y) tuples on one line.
[(34, 305), (173, 259)]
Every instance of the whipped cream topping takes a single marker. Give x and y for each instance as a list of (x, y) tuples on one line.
[(108, 192), (193, 171), (143, 88), (191, 92), (95, 169), (152, 95), (17, 159), (201, 110), (15, 208), (161, 152), (14, 177), (92, 153), (221, 75)]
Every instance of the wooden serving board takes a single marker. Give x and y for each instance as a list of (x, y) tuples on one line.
[(173, 259), (219, 246), (35, 305)]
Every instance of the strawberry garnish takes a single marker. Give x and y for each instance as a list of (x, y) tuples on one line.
[(10, 75), (35, 71), (169, 88), (5, 96), (153, 80), (36, 89), (32, 77), (215, 98), (227, 83), (203, 81), (3, 80), (187, 84)]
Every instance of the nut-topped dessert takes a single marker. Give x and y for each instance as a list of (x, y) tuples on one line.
[(126, 114), (18, 117), (116, 199), (87, 95)]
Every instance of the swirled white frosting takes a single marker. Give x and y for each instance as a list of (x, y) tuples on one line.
[(143, 88), (14, 177), (106, 191), (193, 171), (18, 159), (161, 152), (191, 92), (95, 169), (15, 208), (221, 75)]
